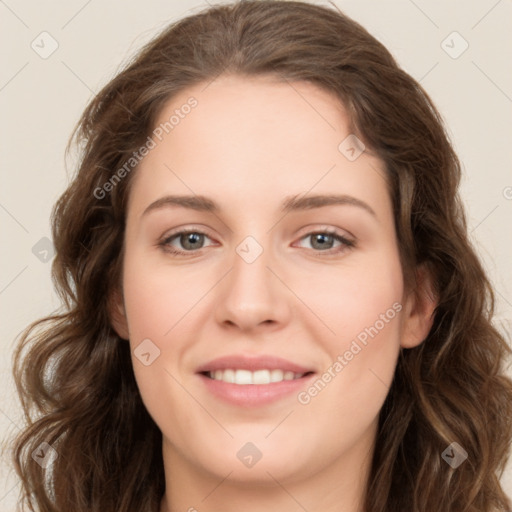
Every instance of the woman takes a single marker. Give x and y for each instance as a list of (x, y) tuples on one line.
[(270, 296)]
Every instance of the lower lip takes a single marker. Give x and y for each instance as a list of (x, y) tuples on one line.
[(253, 395)]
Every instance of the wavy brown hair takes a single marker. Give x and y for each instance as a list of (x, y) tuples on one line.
[(74, 373)]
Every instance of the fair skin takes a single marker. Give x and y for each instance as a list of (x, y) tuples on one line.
[(248, 145)]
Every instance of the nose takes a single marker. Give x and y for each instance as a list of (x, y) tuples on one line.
[(252, 296)]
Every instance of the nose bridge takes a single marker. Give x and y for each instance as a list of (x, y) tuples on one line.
[(251, 293)]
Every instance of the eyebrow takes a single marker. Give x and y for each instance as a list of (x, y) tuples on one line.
[(291, 203)]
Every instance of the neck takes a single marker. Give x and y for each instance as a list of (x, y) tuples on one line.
[(338, 486)]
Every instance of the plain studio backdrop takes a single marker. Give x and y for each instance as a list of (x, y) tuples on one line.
[(57, 54)]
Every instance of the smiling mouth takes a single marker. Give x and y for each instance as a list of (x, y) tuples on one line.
[(246, 377)]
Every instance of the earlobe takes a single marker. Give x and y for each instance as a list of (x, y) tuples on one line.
[(117, 314), (419, 311)]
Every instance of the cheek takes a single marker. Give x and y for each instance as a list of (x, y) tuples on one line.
[(158, 298), (351, 389), (353, 296), (361, 306), (157, 302)]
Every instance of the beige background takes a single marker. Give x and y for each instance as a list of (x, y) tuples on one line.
[(41, 99)]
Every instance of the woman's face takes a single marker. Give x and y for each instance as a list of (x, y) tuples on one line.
[(291, 254)]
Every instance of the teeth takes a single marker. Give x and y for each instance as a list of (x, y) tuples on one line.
[(244, 377)]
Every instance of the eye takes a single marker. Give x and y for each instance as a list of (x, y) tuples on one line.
[(190, 241), (323, 241)]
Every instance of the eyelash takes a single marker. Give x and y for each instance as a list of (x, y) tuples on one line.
[(346, 243)]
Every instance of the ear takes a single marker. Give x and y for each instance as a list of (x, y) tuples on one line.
[(418, 315), (117, 314)]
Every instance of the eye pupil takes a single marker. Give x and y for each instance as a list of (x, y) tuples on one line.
[(190, 238), (322, 239)]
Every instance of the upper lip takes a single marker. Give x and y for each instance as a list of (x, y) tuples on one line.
[(252, 363)]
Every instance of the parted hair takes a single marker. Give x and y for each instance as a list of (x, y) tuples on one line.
[(74, 373)]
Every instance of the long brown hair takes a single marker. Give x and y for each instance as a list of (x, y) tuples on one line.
[(74, 373)]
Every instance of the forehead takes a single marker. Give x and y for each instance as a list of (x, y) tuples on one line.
[(255, 139)]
